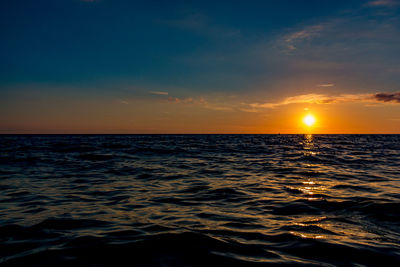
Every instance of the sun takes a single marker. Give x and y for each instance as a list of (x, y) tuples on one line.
[(309, 120)]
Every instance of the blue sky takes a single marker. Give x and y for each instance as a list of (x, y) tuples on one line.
[(227, 54)]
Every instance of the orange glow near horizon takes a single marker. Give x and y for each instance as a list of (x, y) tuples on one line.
[(141, 116)]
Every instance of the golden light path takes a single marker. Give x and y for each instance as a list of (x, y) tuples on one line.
[(309, 120)]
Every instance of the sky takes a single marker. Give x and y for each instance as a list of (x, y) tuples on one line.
[(110, 66)]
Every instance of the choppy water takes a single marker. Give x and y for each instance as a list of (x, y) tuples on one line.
[(195, 200)]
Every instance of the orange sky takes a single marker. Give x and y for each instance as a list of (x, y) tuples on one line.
[(51, 113)]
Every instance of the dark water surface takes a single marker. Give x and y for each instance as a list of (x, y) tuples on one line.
[(195, 200)]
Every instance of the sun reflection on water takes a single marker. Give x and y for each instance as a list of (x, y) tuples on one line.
[(302, 190), (311, 189)]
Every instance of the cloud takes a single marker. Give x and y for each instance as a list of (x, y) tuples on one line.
[(217, 107), (354, 35), (291, 40), (383, 3), (177, 100), (299, 99), (201, 102), (326, 85), (249, 110), (158, 93), (326, 99), (388, 97)]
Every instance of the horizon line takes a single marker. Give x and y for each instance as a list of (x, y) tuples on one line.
[(3, 134)]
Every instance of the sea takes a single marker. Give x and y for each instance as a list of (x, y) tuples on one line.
[(199, 200)]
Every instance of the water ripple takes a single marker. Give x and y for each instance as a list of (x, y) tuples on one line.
[(193, 200)]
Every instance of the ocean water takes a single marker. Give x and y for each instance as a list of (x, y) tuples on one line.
[(198, 200)]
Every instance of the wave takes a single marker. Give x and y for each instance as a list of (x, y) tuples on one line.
[(194, 200)]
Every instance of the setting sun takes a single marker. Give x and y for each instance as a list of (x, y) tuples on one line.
[(309, 120)]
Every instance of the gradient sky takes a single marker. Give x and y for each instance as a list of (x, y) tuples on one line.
[(109, 66)]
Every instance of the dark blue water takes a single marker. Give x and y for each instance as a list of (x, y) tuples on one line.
[(195, 200)]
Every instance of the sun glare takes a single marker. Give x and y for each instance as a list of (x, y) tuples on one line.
[(309, 120)]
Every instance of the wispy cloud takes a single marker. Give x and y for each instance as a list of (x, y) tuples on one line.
[(326, 85), (158, 93), (327, 99), (218, 106), (201, 102), (291, 40), (383, 3), (177, 100), (250, 110)]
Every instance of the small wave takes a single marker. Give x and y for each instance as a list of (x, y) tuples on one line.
[(311, 229), (95, 157), (68, 224), (354, 187)]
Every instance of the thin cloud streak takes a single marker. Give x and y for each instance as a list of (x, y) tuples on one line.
[(178, 100), (383, 3), (307, 33), (320, 99), (200, 102), (326, 85), (158, 93)]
